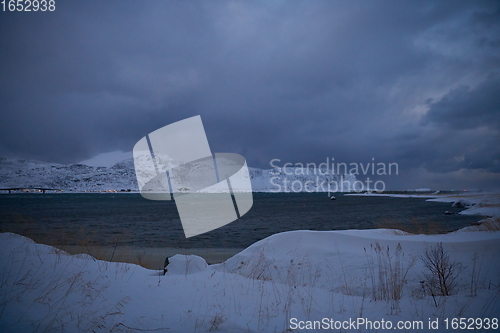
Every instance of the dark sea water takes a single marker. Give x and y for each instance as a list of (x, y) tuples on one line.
[(130, 220)]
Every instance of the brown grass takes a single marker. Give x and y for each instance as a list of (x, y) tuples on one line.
[(412, 226), (489, 224)]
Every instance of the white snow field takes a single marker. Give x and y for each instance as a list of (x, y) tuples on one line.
[(362, 280)]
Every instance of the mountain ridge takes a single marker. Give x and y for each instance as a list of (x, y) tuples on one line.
[(79, 177)]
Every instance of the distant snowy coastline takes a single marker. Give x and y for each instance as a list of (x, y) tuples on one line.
[(115, 172)]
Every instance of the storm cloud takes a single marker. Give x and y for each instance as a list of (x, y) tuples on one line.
[(413, 82)]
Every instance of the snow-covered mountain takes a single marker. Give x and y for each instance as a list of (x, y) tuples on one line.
[(68, 177), (121, 176)]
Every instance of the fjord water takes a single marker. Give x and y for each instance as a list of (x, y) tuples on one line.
[(129, 220)]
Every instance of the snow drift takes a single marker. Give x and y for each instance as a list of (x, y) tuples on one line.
[(287, 278)]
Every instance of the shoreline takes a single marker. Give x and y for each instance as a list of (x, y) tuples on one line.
[(154, 257), (487, 204), (148, 257)]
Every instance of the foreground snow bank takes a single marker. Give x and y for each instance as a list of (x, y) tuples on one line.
[(337, 260), (278, 284)]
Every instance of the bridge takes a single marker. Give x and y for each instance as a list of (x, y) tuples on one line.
[(24, 189)]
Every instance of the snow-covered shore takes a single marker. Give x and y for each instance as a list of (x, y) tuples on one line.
[(286, 281), (476, 204)]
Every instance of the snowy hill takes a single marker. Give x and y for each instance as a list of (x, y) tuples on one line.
[(103, 174), (69, 177)]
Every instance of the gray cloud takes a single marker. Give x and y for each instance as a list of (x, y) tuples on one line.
[(299, 81), (465, 108)]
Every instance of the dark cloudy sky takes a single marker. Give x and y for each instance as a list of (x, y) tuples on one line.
[(410, 82)]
